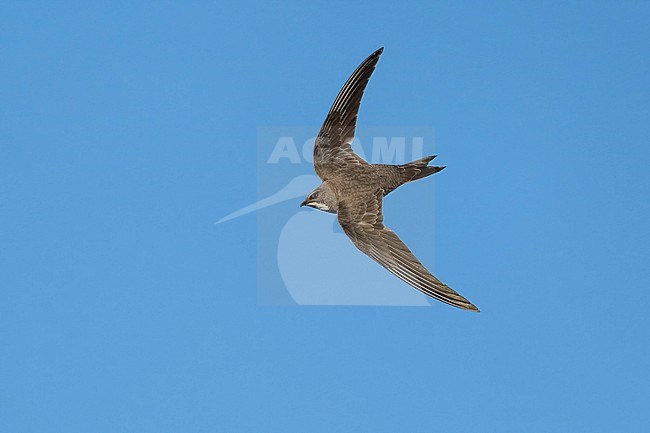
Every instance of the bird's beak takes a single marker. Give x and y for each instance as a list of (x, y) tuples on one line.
[(304, 203)]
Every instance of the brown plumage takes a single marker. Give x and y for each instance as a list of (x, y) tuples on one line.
[(354, 190)]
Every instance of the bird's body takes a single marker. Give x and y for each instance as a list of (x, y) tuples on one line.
[(354, 190)]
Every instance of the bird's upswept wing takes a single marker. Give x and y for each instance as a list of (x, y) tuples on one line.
[(362, 221), (332, 150)]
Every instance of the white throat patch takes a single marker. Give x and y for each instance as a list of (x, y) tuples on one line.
[(320, 206)]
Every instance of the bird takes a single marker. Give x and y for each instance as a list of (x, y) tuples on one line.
[(354, 190)]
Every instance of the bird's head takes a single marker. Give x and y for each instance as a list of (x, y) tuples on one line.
[(322, 198)]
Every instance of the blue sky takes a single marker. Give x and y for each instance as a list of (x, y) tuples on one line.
[(127, 130)]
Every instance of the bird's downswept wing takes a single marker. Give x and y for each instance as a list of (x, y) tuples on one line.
[(332, 150), (362, 221)]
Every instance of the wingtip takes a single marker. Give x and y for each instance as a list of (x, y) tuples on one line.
[(467, 306), (379, 51)]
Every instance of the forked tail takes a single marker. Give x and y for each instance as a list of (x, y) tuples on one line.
[(419, 168)]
